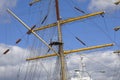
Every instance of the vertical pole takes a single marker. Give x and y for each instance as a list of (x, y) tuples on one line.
[(60, 51)]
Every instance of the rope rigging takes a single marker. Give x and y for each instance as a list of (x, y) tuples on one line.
[(35, 67), (32, 69), (19, 40), (106, 33)]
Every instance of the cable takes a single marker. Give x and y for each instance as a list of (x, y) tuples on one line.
[(106, 34), (77, 38), (76, 7)]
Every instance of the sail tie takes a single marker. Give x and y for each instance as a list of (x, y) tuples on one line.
[(79, 10), (116, 28), (30, 31), (80, 41), (44, 19), (6, 51), (33, 2)]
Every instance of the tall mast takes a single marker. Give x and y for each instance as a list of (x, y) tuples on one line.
[(61, 53), (60, 49)]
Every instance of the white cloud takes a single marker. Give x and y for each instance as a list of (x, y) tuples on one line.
[(4, 4), (107, 5), (14, 62), (9, 62), (96, 62), (13, 57)]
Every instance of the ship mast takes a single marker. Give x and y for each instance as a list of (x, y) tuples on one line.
[(60, 49), (61, 53)]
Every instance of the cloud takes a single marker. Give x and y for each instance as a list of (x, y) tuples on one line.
[(100, 65), (9, 62), (14, 66), (4, 4), (15, 62), (13, 57), (107, 5)]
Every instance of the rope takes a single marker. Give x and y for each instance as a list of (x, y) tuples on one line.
[(77, 38)]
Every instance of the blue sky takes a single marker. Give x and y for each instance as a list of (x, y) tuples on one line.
[(87, 30), (93, 31)]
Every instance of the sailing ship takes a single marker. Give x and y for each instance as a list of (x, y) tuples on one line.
[(51, 45)]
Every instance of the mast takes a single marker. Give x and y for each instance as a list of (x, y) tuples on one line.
[(61, 53), (60, 49)]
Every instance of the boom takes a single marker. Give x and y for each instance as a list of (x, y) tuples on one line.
[(71, 51), (68, 20)]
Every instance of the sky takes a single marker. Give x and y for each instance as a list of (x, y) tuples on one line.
[(92, 31)]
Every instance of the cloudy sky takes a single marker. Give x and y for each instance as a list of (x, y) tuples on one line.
[(14, 67)]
